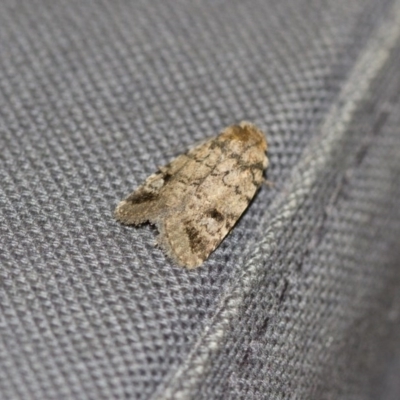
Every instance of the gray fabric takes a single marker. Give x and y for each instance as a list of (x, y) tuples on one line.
[(301, 301)]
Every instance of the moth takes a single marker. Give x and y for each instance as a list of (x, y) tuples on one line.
[(197, 198)]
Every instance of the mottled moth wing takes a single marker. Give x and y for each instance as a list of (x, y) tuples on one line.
[(147, 202), (197, 198)]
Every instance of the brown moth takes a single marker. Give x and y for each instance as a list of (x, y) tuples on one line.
[(196, 199)]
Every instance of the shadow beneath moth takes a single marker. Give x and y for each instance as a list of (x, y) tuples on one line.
[(197, 198)]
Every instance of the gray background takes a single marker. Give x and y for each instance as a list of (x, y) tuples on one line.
[(301, 301)]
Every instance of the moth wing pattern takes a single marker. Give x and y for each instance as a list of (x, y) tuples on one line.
[(147, 202), (163, 192), (197, 198)]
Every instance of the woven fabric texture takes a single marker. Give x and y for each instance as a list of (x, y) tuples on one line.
[(301, 301)]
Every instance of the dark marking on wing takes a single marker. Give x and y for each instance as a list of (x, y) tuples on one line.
[(141, 197), (195, 239), (215, 214), (167, 177)]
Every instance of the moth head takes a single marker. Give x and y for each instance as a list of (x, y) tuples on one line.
[(247, 133)]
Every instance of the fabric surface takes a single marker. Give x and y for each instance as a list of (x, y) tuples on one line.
[(301, 301)]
